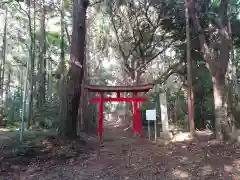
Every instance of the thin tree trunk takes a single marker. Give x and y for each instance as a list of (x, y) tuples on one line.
[(49, 81), (8, 84), (24, 99), (2, 68), (14, 110)]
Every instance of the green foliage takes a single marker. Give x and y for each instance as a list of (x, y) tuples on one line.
[(54, 39), (178, 102), (50, 112), (151, 103), (138, 38), (203, 96), (13, 108)]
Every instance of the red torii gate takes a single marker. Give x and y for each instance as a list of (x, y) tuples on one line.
[(137, 122)]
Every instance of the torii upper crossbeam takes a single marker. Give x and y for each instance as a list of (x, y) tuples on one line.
[(137, 122)]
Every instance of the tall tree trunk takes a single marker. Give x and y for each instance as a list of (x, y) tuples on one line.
[(61, 69), (42, 64), (31, 65), (2, 68), (223, 128), (84, 121), (189, 76), (125, 83), (217, 63), (49, 81), (24, 99), (75, 75), (237, 106), (219, 92), (7, 89), (231, 93)]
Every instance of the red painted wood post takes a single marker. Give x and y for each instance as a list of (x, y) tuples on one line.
[(139, 122), (135, 107), (100, 114), (137, 116), (118, 94), (121, 99)]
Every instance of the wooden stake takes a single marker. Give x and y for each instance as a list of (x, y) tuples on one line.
[(155, 126), (149, 131), (99, 148)]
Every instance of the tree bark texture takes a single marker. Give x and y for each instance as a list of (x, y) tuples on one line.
[(42, 65), (32, 48), (189, 76), (217, 63), (75, 74), (2, 68)]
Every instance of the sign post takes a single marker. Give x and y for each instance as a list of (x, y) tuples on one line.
[(151, 116)]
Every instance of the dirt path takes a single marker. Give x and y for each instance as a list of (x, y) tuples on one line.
[(3, 137), (185, 160)]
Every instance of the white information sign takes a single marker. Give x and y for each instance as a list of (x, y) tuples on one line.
[(151, 115)]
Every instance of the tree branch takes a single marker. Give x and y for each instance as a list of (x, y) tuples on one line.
[(218, 22), (29, 21), (153, 57), (125, 57), (207, 55), (173, 69), (136, 41), (67, 33), (96, 2)]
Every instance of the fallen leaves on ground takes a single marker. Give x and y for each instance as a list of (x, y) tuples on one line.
[(124, 157)]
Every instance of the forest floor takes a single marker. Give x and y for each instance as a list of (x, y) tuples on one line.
[(203, 159)]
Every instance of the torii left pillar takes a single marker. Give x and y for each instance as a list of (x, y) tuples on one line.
[(100, 114)]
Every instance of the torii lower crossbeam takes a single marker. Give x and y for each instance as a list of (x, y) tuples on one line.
[(137, 122)]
